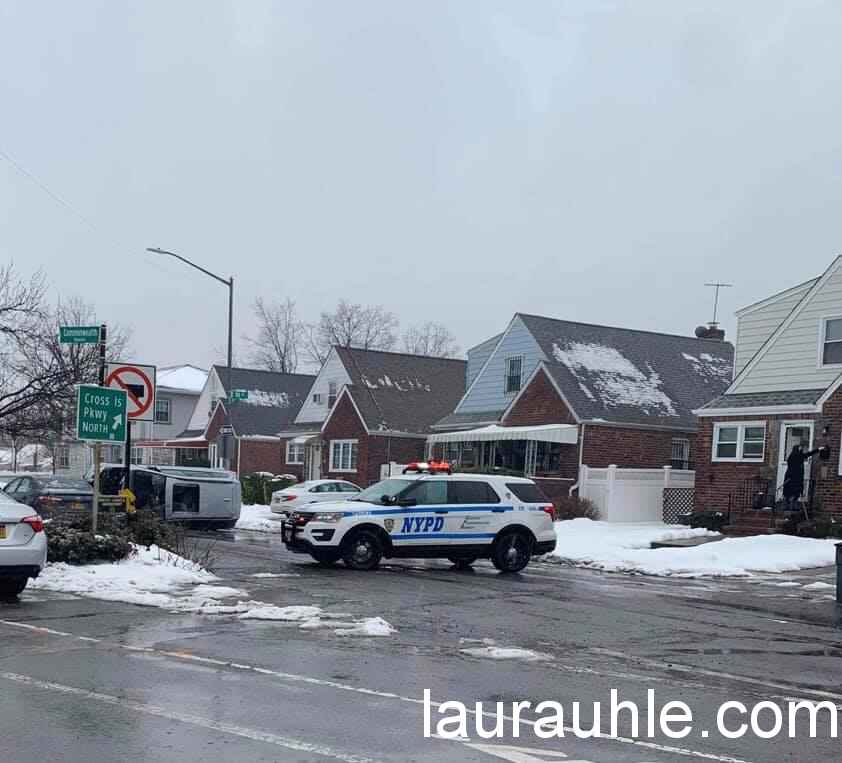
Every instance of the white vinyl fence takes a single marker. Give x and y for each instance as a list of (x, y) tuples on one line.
[(631, 495)]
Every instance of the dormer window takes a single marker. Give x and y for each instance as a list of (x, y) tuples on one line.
[(331, 394), (514, 374), (831, 347)]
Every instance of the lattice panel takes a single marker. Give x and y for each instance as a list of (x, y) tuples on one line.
[(677, 501)]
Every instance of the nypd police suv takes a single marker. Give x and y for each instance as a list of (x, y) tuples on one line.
[(460, 517)]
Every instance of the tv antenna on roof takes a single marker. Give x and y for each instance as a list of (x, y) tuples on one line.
[(717, 285)]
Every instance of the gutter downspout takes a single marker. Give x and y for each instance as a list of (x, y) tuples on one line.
[(575, 486)]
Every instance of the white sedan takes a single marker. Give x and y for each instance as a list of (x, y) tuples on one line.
[(312, 491), (23, 546)]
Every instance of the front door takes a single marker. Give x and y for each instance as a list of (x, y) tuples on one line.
[(793, 433), (314, 462)]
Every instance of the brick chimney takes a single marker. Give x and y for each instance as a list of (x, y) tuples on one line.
[(711, 331)]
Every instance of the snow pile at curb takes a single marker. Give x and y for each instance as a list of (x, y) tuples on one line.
[(370, 626), (150, 577), (615, 547), (258, 519)]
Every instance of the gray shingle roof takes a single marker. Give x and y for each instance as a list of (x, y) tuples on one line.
[(457, 420), (403, 393), (766, 399), (273, 402), (632, 377)]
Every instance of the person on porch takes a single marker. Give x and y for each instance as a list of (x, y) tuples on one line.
[(793, 486)]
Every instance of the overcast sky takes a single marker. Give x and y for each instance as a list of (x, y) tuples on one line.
[(458, 161)]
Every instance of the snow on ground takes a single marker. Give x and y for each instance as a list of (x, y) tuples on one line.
[(491, 651), (150, 577), (617, 547), (157, 578), (258, 519)]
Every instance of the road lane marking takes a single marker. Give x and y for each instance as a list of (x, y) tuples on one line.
[(325, 683), (194, 720)]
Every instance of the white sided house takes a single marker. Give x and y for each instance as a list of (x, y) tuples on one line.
[(785, 391)]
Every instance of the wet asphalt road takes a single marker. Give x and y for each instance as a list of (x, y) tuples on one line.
[(86, 680)]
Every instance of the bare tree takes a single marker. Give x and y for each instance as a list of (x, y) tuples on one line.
[(280, 336), (59, 368), (22, 313), (351, 325), (432, 339)]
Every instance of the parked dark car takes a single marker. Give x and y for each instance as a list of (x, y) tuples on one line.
[(50, 494)]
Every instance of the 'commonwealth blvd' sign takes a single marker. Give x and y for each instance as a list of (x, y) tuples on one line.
[(100, 414)]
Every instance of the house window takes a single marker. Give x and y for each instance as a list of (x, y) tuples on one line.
[(744, 441), (331, 394), (137, 455), (343, 455), (295, 452), (831, 342), (163, 409), (680, 453), (317, 398), (63, 457), (514, 373)]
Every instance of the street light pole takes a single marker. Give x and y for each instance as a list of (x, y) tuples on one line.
[(229, 282)]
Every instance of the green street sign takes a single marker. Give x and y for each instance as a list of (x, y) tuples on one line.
[(100, 414), (78, 334), (239, 394)]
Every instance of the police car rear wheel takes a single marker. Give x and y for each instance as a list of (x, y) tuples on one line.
[(512, 551), (363, 551), (463, 563)]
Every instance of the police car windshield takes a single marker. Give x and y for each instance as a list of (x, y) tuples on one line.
[(375, 493)]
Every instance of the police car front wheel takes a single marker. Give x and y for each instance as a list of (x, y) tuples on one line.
[(512, 551), (363, 550)]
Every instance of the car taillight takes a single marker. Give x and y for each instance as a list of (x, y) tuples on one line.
[(287, 497), (549, 510), (48, 499), (36, 523)]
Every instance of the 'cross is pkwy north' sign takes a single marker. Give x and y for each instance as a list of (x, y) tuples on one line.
[(100, 414)]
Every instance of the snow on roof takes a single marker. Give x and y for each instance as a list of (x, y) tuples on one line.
[(615, 379), (401, 385), (707, 366), (185, 377), (264, 399)]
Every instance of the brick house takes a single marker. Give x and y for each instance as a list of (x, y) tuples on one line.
[(368, 408), (242, 435), (786, 389), (547, 397)]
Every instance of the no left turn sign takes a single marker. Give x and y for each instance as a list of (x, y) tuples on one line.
[(139, 384)]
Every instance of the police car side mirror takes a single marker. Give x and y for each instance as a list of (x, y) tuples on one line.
[(387, 500)]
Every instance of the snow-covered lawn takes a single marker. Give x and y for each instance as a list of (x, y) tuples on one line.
[(616, 547), (150, 577), (259, 519)]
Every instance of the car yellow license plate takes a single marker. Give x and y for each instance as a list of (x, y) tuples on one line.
[(2, 532)]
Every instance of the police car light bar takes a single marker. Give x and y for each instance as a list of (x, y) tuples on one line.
[(431, 467)]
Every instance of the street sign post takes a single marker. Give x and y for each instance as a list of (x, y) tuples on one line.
[(239, 394), (78, 334), (100, 414)]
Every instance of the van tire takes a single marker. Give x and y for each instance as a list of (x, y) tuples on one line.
[(362, 550), (512, 550)]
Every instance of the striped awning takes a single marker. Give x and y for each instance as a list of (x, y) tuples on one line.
[(567, 434)]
